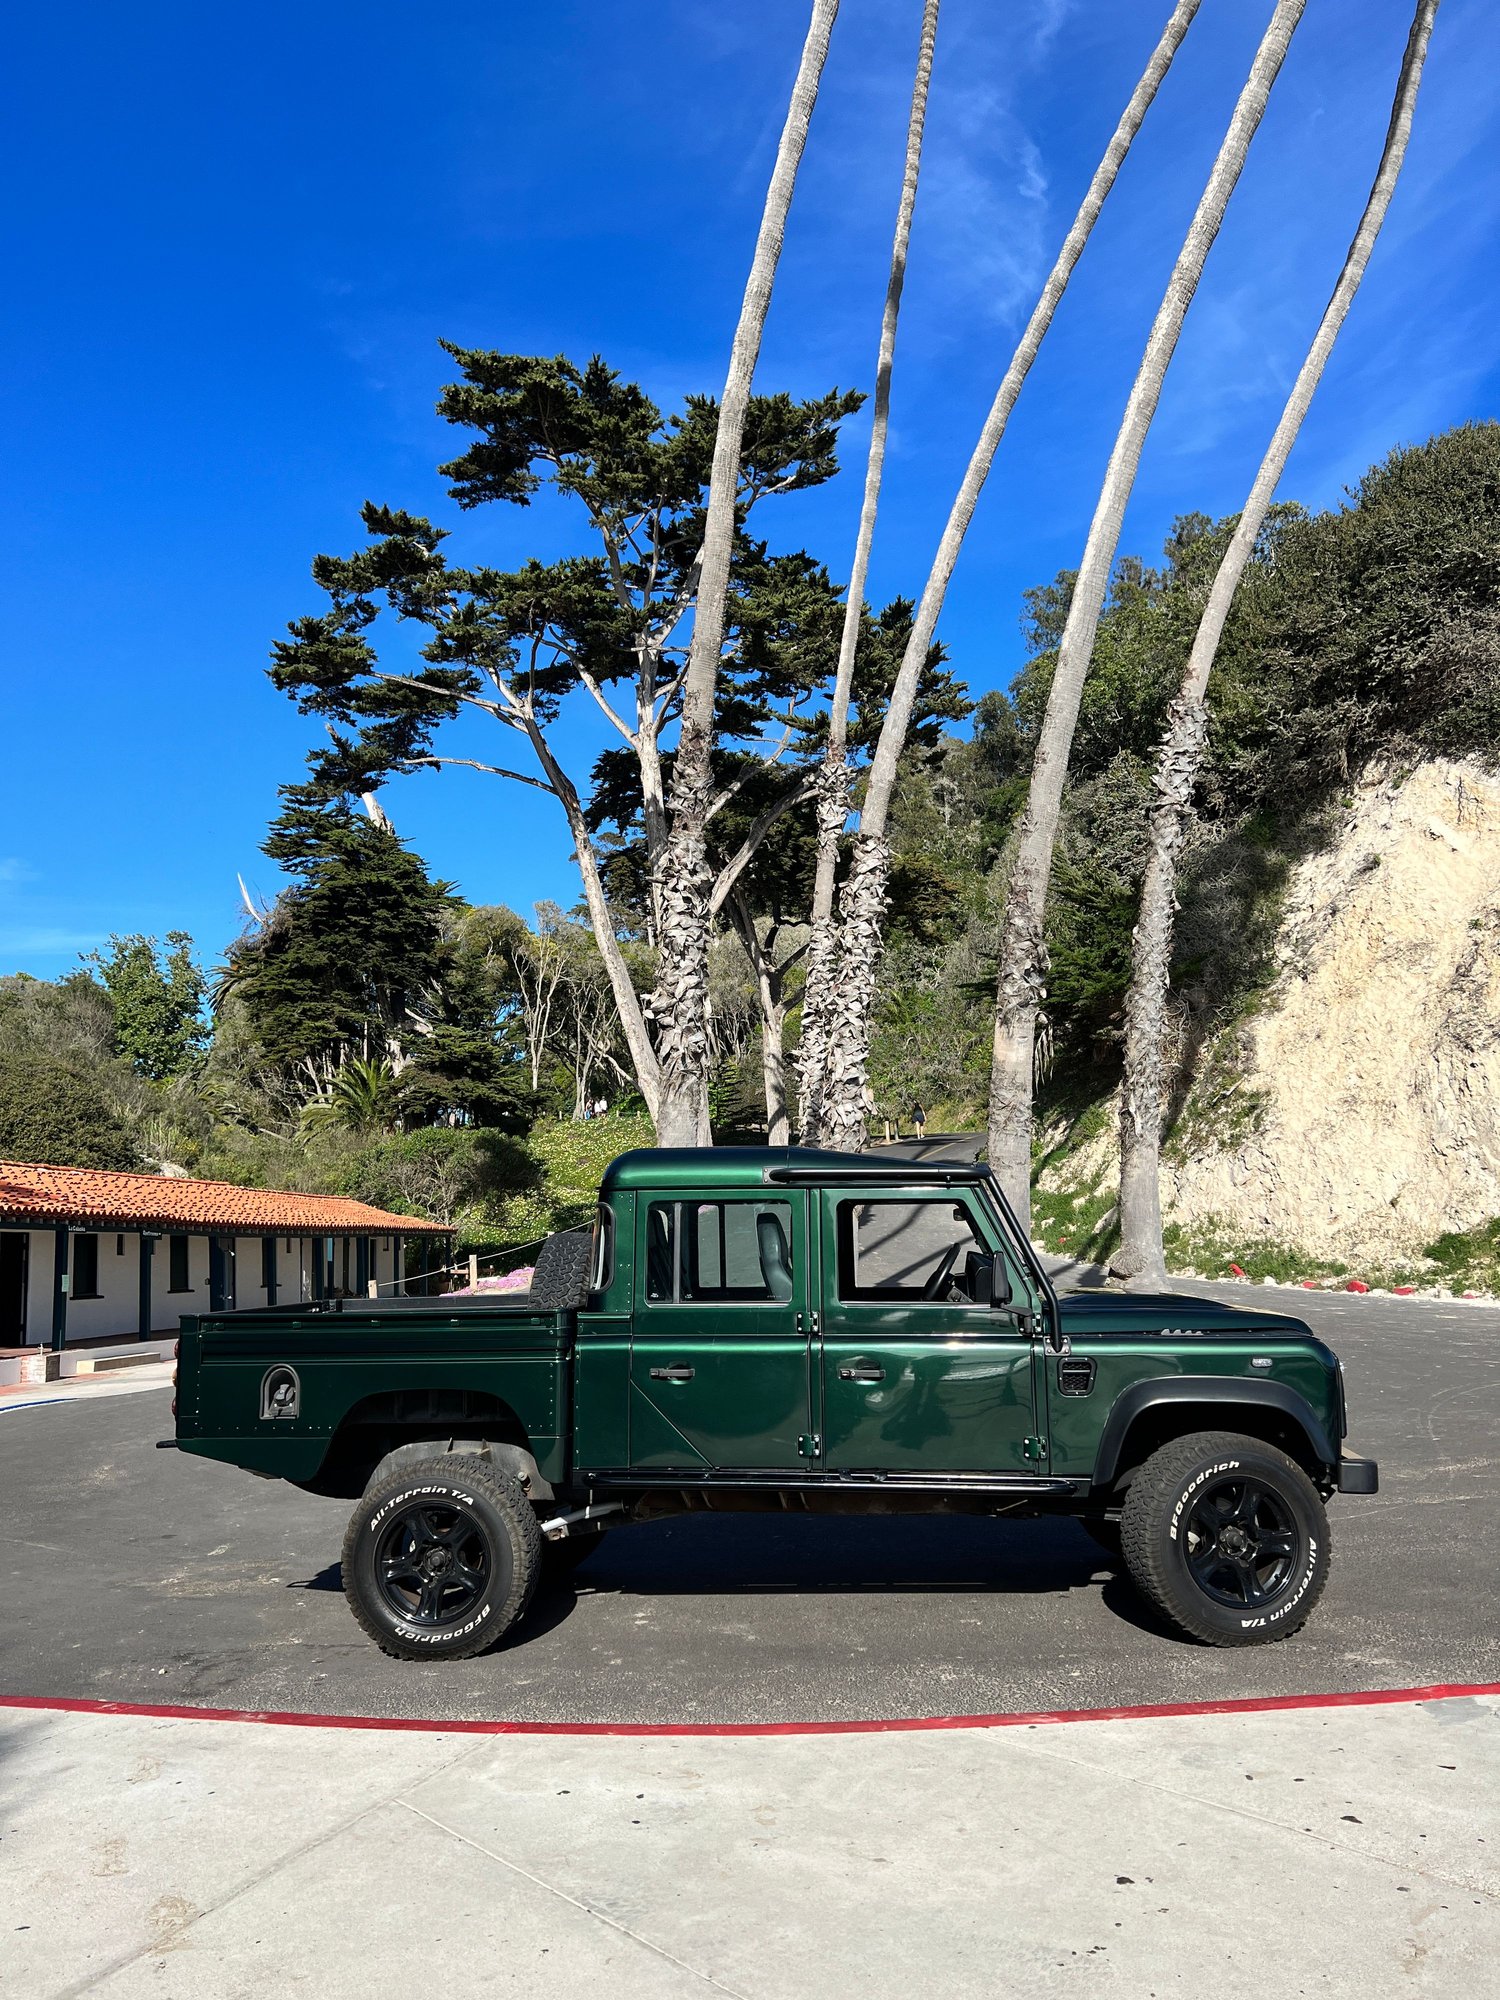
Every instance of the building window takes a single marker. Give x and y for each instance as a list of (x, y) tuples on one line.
[(119, 1246), (179, 1278), (267, 1262), (85, 1283)]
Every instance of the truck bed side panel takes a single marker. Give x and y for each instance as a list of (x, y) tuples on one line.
[(343, 1359)]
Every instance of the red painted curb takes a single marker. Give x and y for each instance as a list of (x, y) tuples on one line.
[(1257, 1705)]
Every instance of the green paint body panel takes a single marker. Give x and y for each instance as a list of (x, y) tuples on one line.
[(656, 1378)]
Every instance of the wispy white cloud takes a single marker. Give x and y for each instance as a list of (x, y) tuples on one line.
[(45, 938)]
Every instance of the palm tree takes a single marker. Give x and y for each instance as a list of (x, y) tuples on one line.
[(1180, 756), (680, 1003), (1023, 958), (361, 1095), (833, 778), (841, 1028)]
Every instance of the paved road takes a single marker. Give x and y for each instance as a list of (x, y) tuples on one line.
[(133, 1574)]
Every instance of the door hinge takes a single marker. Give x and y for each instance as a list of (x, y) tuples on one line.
[(807, 1322), (810, 1445), (1034, 1449)]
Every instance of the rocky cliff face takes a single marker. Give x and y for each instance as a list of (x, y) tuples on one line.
[(1374, 1068)]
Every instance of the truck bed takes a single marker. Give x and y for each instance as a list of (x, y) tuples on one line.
[(372, 1366)]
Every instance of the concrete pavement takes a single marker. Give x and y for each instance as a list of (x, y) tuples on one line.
[(1336, 1851)]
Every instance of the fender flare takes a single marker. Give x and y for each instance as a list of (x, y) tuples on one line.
[(511, 1458), (1207, 1390)]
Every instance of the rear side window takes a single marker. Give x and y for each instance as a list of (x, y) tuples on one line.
[(725, 1252)]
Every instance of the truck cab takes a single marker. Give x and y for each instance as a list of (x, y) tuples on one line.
[(770, 1328)]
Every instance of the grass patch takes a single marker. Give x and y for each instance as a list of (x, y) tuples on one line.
[(1467, 1260), (1210, 1248), (1076, 1222)]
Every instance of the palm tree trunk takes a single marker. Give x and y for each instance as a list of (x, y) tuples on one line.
[(1179, 759), (833, 778), (862, 903), (681, 1002), (1023, 958)]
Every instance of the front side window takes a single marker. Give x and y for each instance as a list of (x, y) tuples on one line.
[(724, 1252), (85, 1268), (911, 1253)]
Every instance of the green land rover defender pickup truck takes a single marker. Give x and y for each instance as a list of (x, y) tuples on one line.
[(772, 1328)]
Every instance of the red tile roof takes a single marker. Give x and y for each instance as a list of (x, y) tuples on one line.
[(88, 1195)]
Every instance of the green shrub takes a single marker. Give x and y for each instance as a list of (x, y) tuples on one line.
[(445, 1173), (59, 1117), (571, 1157)]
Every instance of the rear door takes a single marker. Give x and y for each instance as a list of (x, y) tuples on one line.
[(918, 1373), (720, 1370)]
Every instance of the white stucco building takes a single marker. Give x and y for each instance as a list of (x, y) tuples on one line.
[(91, 1256)]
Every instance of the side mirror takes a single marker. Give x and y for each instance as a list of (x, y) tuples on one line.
[(986, 1282)]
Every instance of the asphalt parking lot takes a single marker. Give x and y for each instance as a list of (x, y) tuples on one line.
[(146, 1576)]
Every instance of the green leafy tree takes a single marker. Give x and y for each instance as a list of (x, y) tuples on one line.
[(361, 964), (158, 995), (605, 627)]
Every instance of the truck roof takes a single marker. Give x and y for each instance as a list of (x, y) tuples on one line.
[(691, 1168)]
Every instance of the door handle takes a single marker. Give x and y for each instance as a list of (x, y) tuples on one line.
[(864, 1373), (676, 1373)]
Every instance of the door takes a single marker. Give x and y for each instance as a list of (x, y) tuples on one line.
[(14, 1246), (720, 1371), (920, 1372)]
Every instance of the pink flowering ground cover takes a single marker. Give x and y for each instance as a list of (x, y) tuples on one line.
[(511, 1281)]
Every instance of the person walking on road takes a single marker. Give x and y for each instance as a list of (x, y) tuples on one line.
[(919, 1121)]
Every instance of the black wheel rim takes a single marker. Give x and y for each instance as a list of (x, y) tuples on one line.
[(1243, 1543), (433, 1564)]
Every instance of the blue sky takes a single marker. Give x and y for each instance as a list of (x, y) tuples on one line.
[(237, 235)]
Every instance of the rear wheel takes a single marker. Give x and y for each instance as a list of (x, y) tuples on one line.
[(441, 1559), (1228, 1537)]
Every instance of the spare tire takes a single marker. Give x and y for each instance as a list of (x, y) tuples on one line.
[(560, 1282)]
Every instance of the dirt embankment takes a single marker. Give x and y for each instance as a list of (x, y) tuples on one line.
[(1374, 1068)]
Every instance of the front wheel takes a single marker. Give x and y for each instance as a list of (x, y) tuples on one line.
[(1228, 1537), (441, 1559)]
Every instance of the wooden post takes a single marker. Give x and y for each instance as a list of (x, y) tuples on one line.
[(473, 1270)]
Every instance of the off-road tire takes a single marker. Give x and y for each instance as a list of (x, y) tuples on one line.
[(479, 1506), (1195, 1480), (560, 1282)]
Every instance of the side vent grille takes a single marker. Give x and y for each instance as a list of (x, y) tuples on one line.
[(1075, 1377)]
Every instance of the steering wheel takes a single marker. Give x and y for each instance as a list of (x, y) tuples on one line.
[(933, 1289)]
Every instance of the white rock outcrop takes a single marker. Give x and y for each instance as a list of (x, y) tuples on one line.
[(1376, 1061)]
